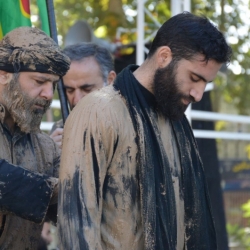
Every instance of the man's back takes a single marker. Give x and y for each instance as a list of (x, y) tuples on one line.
[(108, 166), (110, 173)]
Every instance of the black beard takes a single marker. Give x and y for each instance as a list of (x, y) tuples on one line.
[(21, 107), (167, 94)]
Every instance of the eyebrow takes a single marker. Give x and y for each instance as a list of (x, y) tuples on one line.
[(82, 86), (44, 78), (201, 77)]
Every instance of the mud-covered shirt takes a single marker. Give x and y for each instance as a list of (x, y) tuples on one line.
[(36, 153), (99, 196)]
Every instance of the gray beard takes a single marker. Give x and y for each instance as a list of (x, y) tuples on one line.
[(21, 107)]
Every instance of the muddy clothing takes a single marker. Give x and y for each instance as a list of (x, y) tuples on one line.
[(128, 172), (58, 124), (25, 191)]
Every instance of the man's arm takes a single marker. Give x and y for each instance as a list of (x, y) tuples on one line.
[(24, 193), (88, 146)]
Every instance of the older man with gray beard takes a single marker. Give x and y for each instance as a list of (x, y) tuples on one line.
[(31, 64)]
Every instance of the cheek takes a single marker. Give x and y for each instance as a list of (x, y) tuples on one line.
[(182, 84)]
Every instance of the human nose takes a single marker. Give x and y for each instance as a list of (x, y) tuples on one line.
[(77, 97), (47, 91), (197, 92)]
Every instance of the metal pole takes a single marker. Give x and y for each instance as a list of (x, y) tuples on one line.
[(140, 33), (53, 34), (187, 5), (176, 7)]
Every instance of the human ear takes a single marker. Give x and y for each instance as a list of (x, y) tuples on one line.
[(164, 56), (4, 77), (111, 77)]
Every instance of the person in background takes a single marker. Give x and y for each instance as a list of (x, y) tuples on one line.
[(131, 176), (91, 68), (31, 64), (46, 237)]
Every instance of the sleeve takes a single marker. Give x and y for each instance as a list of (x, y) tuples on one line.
[(90, 136), (53, 206), (24, 193)]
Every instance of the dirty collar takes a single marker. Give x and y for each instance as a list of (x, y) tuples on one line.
[(30, 49)]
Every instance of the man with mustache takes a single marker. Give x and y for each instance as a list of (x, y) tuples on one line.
[(132, 178), (31, 64), (91, 68)]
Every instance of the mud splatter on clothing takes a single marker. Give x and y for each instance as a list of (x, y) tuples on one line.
[(102, 201), (22, 205)]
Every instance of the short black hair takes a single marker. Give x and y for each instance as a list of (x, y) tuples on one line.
[(80, 51), (186, 35)]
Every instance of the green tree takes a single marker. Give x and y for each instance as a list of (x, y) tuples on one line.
[(229, 15)]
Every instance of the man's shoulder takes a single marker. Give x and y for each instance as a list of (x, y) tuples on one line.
[(103, 98), (101, 107)]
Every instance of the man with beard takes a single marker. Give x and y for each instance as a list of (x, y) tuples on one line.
[(132, 178), (91, 68), (30, 66)]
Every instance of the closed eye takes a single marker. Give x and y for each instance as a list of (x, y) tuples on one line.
[(40, 82), (68, 90), (195, 79)]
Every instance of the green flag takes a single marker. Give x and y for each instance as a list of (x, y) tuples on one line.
[(13, 14), (43, 14)]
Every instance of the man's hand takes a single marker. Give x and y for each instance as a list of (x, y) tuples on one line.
[(57, 137), (54, 198)]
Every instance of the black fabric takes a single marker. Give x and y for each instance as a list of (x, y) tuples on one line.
[(24, 193), (158, 210)]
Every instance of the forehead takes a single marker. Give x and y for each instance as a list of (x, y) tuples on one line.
[(42, 76), (197, 65), (84, 71), (83, 74), (86, 64)]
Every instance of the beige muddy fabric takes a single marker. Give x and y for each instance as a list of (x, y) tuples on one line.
[(35, 152), (101, 162)]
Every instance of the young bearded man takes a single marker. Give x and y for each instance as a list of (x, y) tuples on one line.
[(132, 177)]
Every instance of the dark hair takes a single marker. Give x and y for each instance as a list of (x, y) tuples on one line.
[(186, 35), (80, 51)]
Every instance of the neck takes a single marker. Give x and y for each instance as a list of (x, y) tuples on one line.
[(9, 122), (145, 75)]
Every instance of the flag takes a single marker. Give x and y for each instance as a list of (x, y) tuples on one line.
[(13, 14), (43, 14)]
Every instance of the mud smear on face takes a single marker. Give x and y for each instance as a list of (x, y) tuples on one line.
[(26, 112)]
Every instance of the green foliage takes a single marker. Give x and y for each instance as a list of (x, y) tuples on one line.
[(239, 236), (246, 209), (228, 15)]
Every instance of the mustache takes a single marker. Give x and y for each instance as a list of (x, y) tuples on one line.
[(188, 98), (43, 103)]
